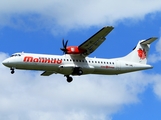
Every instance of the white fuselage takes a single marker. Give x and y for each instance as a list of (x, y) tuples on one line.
[(64, 64)]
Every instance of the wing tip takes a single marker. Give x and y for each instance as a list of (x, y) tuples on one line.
[(109, 27)]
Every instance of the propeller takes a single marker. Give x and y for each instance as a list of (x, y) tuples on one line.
[(64, 49)]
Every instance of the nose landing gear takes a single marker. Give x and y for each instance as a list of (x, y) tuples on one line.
[(12, 70)]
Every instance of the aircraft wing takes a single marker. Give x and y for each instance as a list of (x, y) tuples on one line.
[(95, 41), (47, 73)]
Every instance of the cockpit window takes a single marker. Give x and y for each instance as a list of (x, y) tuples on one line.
[(15, 55)]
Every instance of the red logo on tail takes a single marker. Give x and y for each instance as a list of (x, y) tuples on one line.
[(142, 53)]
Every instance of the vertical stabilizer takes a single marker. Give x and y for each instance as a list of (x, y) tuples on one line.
[(140, 52)]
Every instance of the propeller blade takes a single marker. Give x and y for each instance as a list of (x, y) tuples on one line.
[(64, 49), (66, 44)]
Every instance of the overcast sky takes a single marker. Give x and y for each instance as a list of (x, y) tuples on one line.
[(39, 26)]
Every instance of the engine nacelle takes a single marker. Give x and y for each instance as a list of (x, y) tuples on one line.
[(74, 50)]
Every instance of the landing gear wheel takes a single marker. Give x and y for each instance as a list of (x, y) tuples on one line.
[(80, 72), (77, 71), (69, 79), (12, 70)]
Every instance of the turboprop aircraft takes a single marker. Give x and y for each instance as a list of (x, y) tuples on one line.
[(75, 61)]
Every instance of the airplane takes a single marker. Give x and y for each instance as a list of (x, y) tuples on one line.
[(75, 60)]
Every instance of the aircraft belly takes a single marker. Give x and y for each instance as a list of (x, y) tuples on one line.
[(131, 67), (69, 69), (106, 70), (37, 66), (88, 69), (65, 69)]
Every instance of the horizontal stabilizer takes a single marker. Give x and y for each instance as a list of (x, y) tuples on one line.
[(148, 41)]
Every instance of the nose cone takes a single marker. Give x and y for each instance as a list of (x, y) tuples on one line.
[(5, 62)]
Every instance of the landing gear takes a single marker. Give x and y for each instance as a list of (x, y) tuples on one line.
[(77, 71), (80, 72), (12, 70), (69, 79)]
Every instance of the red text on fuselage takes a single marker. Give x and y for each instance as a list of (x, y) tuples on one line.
[(42, 60)]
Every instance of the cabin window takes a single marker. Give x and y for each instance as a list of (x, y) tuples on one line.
[(79, 60)]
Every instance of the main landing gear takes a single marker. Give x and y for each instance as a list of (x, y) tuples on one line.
[(76, 71), (69, 79), (12, 70)]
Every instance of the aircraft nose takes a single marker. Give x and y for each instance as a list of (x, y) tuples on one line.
[(5, 62)]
